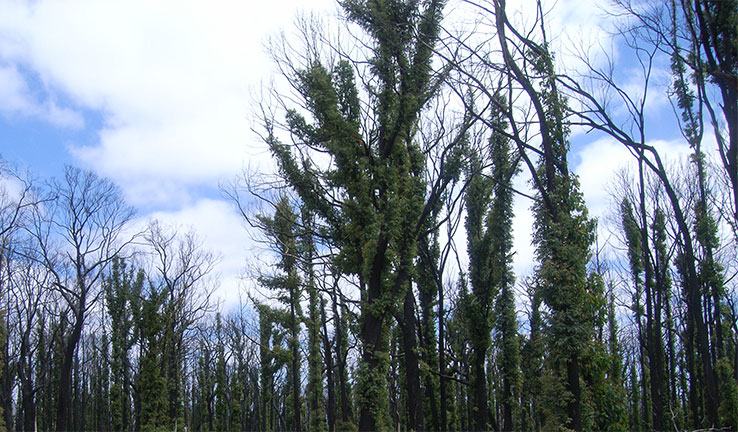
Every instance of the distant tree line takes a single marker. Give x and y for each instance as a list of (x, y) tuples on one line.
[(387, 299)]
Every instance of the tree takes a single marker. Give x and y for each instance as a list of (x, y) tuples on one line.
[(375, 173), (500, 224), (181, 275), (688, 34), (313, 320), (489, 239), (478, 306), (563, 233), (221, 378), (87, 215), (14, 209), (282, 232), (123, 290), (152, 383)]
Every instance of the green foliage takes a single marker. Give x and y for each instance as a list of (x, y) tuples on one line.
[(371, 395), (152, 382), (378, 177), (615, 370), (605, 399), (728, 410), (122, 298), (563, 235), (632, 240), (221, 379)]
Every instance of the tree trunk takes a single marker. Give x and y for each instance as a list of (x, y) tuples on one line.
[(479, 389), (64, 397), (341, 361), (574, 407), (372, 389), (329, 371), (412, 369), (442, 362), (295, 348)]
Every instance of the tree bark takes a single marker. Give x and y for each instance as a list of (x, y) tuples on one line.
[(412, 369), (64, 403)]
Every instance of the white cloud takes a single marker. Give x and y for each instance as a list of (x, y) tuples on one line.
[(599, 161), (172, 80), (16, 99), (221, 231)]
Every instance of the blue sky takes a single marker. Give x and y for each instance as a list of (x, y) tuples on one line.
[(160, 97)]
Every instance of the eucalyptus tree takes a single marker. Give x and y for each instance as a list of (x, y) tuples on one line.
[(688, 35), (17, 196), (488, 225), (123, 292), (314, 393), (701, 36), (504, 167), (371, 195), (563, 232), (182, 277), (29, 293), (282, 231), (78, 232)]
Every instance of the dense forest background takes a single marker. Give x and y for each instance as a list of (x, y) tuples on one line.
[(387, 298)]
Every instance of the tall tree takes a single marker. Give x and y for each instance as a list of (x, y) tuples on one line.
[(504, 167), (182, 270), (151, 379), (315, 400), (489, 239), (563, 232), (221, 378), (123, 290), (88, 215), (478, 306), (282, 230), (376, 172)]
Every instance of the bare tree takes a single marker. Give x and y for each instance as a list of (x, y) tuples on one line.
[(181, 273), (78, 231), (17, 196)]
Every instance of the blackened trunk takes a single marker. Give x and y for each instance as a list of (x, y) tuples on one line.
[(328, 356), (295, 365), (694, 402), (507, 418), (371, 334), (574, 407), (412, 367), (479, 389), (64, 397), (25, 372), (429, 386), (442, 362), (374, 347), (340, 360)]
